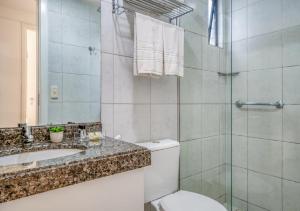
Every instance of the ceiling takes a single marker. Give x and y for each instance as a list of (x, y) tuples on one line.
[(24, 5)]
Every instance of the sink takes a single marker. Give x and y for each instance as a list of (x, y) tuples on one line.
[(36, 156)]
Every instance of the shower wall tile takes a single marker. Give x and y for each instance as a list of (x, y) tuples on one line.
[(264, 17), (265, 85), (291, 193), (239, 121), (291, 123), (54, 57), (127, 87), (211, 153), (291, 46), (132, 122), (291, 76), (95, 90), (291, 161), (76, 88), (75, 59), (75, 31), (239, 56), (239, 183), (192, 183), (54, 6), (95, 35), (240, 87), (238, 4), (55, 27), (163, 90), (95, 15), (197, 21), (191, 121), (124, 35), (107, 119), (107, 28), (192, 50), (95, 63), (211, 87), (264, 191), (210, 56), (107, 78), (239, 24), (264, 52), (291, 15), (210, 120), (211, 183), (163, 121), (191, 86), (265, 156), (55, 113), (239, 151), (94, 112), (75, 112), (252, 207), (265, 123), (191, 158), (78, 9), (239, 205)]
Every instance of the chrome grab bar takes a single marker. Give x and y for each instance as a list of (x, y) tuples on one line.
[(279, 104)]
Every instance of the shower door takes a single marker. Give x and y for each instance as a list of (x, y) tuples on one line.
[(266, 105), (205, 107)]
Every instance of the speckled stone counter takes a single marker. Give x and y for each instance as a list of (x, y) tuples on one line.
[(94, 161)]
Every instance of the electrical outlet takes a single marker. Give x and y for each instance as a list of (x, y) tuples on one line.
[(54, 94)]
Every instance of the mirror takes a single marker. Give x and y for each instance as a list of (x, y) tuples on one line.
[(49, 61)]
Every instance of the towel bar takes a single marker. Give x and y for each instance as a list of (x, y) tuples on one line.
[(279, 104)]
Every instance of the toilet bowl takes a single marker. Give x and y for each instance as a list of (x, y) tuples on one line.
[(161, 181), (186, 201)]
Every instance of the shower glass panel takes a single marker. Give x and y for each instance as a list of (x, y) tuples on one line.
[(266, 138), (205, 107)]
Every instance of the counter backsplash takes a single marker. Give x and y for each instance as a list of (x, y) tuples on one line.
[(13, 136)]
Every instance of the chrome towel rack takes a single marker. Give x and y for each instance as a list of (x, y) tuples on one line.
[(279, 104), (171, 9)]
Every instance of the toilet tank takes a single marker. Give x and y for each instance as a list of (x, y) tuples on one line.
[(161, 178)]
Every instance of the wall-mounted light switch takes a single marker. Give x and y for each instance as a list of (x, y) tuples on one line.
[(54, 94)]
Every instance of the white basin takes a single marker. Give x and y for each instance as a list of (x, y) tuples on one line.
[(36, 156)]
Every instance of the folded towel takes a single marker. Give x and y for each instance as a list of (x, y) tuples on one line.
[(148, 46), (173, 50)]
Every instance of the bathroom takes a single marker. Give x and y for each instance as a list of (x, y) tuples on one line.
[(220, 134)]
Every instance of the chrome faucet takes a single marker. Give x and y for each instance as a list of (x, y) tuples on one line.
[(26, 133)]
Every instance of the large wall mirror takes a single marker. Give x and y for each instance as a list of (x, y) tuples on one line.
[(49, 61)]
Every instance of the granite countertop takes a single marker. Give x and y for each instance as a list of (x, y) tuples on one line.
[(94, 161)]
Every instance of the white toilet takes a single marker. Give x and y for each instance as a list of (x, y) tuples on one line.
[(161, 182)]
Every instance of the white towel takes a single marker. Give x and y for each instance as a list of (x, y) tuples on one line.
[(173, 50), (148, 46)]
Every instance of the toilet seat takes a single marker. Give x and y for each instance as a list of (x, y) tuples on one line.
[(184, 200)]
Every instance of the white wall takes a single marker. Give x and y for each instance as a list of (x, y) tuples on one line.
[(12, 22), (138, 108)]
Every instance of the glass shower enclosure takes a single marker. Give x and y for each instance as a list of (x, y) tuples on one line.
[(240, 106)]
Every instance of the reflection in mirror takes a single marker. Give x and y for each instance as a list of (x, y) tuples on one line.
[(18, 62), (71, 67), (50, 71)]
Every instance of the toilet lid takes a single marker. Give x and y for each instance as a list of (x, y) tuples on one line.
[(188, 201)]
